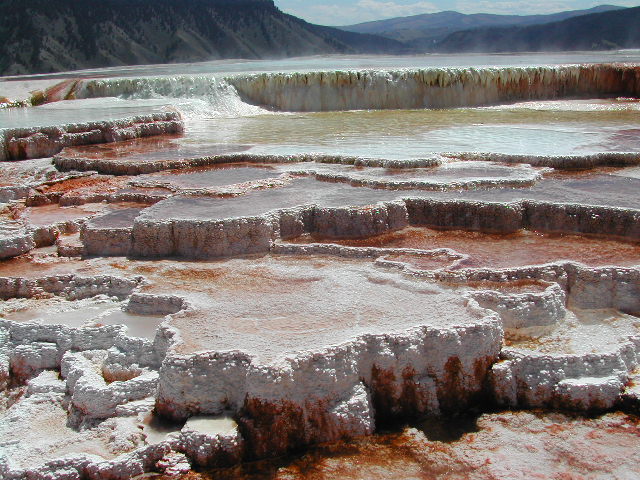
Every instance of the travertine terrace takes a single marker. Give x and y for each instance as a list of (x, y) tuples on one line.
[(174, 303)]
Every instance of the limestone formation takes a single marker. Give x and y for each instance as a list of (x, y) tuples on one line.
[(169, 305), (23, 143)]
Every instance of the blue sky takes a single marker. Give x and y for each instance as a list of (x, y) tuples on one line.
[(336, 12)]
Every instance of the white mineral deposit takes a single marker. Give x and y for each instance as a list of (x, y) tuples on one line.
[(415, 271)]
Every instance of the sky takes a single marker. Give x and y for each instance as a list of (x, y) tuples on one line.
[(347, 12)]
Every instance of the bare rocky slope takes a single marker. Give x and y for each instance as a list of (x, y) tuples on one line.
[(423, 31), (598, 31), (37, 36)]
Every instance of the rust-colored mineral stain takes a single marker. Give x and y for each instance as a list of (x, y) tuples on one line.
[(25, 266), (270, 429), (493, 446), (383, 393), (119, 376), (99, 182), (504, 251), (513, 339), (51, 214), (115, 150), (60, 91), (188, 172), (451, 392), (255, 279), (512, 286), (156, 148), (185, 276)]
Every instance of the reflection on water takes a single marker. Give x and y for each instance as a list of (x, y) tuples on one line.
[(157, 429), (72, 315), (77, 111), (143, 326), (210, 425), (412, 134), (74, 318)]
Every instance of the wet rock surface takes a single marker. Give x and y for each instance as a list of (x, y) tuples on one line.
[(170, 306), (37, 142), (498, 445)]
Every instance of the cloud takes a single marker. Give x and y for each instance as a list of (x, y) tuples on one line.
[(362, 11)]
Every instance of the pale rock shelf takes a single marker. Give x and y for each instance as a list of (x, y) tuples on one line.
[(402, 89), (558, 162), (18, 179), (437, 88), (528, 309), (38, 142), (369, 375), (202, 227), (374, 344), (170, 355), (15, 239), (47, 223), (80, 159)]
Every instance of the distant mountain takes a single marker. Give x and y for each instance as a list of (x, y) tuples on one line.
[(423, 31), (41, 36), (598, 31)]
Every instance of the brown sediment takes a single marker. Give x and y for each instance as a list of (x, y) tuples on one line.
[(451, 393), (75, 183), (115, 189), (271, 429), (503, 445), (488, 250), (119, 376), (257, 279), (515, 339), (384, 394), (86, 186), (186, 276), (511, 286), (24, 266), (53, 214)]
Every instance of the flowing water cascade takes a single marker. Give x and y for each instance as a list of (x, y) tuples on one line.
[(366, 90)]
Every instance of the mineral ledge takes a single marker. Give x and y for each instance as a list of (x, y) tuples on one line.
[(168, 308)]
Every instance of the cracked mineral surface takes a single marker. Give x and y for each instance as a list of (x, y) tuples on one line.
[(428, 272)]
